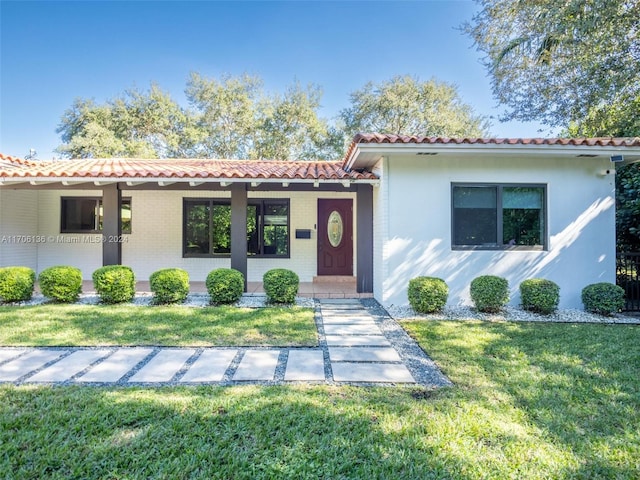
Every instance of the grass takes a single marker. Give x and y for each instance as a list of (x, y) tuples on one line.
[(86, 325), (531, 401)]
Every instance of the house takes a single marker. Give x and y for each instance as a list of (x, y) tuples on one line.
[(394, 208)]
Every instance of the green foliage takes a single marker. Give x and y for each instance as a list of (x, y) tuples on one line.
[(230, 118), (540, 295), (16, 284), (137, 124), (489, 293), (61, 283), (114, 283), (234, 117), (621, 119), (603, 298), (427, 294), (169, 285), (628, 207), (225, 285), (406, 106), (554, 60), (281, 285)]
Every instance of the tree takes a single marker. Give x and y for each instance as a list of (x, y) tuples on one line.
[(558, 60), (619, 120), (290, 127), (136, 124), (226, 113), (228, 118), (406, 106)]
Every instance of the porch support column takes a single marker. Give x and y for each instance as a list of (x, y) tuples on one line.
[(239, 229), (364, 229), (111, 225)]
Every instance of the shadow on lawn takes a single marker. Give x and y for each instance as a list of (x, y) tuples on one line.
[(82, 325), (240, 432), (577, 385)]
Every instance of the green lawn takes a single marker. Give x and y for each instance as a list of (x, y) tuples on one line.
[(531, 401), (86, 325)]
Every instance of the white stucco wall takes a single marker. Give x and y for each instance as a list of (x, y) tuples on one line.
[(19, 228), (156, 238), (416, 236)]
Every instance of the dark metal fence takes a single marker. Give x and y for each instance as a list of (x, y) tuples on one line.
[(627, 270)]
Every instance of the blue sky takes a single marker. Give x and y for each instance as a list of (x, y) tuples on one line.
[(54, 51)]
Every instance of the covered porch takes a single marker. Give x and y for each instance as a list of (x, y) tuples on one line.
[(259, 215)]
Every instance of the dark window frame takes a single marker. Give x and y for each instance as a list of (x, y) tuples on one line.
[(98, 205), (251, 202), (499, 217)]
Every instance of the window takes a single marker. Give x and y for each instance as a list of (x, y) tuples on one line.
[(499, 216), (85, 215), (207, 227)]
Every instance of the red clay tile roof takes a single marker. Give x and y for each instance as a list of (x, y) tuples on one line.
[(387, 138), (601, 141), (9, 161), (180, 169)]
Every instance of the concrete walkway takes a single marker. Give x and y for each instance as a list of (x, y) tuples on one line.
[(358, 344)]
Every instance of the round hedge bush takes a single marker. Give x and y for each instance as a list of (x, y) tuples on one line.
[(489, 293), (169, 285), (280, 285), (603, 298), (540, 295), (61, 283), (16, 284), (427, 294), (114, 283), (225, 285)]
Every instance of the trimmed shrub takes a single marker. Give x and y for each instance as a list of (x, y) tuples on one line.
[(16, 284), (225, 285), (489, 293), (114, 283), (61, 283), (169, 285), (603, 298), (281, 285), (540, 295), (427, 294)]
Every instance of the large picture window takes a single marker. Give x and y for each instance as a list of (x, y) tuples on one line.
[(85, 215), (498, 216), (207, 227)]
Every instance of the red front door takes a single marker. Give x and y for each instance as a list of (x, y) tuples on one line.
[(335, 237)]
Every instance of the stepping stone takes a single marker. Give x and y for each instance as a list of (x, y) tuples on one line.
[(305, 365), (69, 366), (341, 302), (164, 366), (257, 365), (12, 371), (371, 372), (9, 354), (116, 366), (343, 312), (357, 341), (359, 320), (347, 329), (210, 366), (363, 354)]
